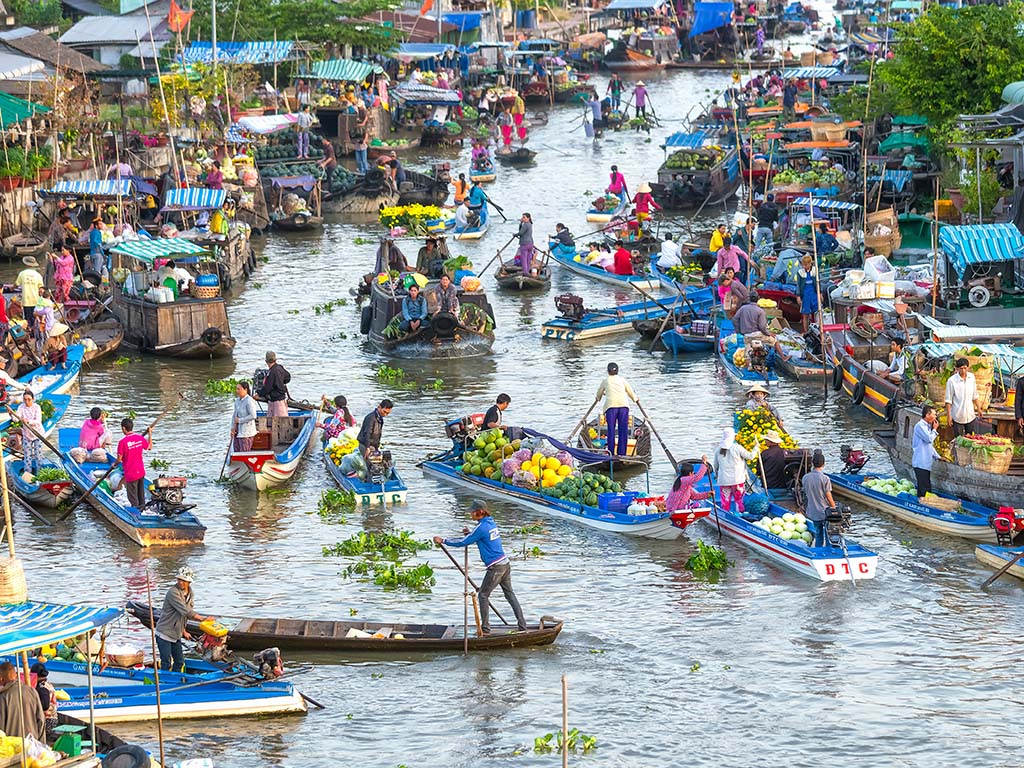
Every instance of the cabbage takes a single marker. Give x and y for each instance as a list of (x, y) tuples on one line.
[(510, 466), (787, 535), (564, 457), (789, 525), (523, 454), (788, 517), (807, 536), (801, 527), (798, 518)]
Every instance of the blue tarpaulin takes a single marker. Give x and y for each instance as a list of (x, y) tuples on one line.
[(464, 21), (91, 188), (24, 626), (420, 51), (683, 140), (709, 16), (805, 73), (826, 205), (980, 244), (194, 199), (267, 52), (898, 178)]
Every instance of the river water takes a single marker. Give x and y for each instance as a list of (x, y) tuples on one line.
[(910, 669)]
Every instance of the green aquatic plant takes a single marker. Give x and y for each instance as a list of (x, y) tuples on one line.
[(390, 546), (334, 501), (707, 558), (221, 386)]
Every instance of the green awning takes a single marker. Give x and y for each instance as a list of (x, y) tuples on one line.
[(1014, 93), (148, 251), (912, 120), (904, 140), (344, 70), (13, 110)]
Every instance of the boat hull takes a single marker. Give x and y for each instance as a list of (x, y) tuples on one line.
[(997, 557), (597, 273), (392, 491), (470, 233), (263, 470)]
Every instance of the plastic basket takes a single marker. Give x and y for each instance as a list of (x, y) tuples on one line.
[(616, 502)]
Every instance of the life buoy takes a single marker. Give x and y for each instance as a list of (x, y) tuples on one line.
[(444, 324), (858, 393), (126, 756), (365, 319), (837, 377), (211, 337)]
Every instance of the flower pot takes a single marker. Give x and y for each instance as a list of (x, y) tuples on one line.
[(7, 183), (956, 196), (44, 174)]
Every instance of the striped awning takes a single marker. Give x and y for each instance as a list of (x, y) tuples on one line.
[(980, 244), (898, 178), (91, 188), (805, 73), (265, 124), (945, 349), (827, 205), (684, 140), (24, 626), (268, 52), (864, 39), (425, 94), (147, 251), (343, 70), (235, 135), (194, 199)]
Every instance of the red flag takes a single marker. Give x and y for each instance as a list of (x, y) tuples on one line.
[(177, 18), (425, 8)]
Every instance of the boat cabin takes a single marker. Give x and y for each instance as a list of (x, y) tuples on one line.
[(296, 202), (696, 171)]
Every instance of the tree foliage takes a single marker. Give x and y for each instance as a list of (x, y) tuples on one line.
[(318, 21), (951, 61), (36, 13)]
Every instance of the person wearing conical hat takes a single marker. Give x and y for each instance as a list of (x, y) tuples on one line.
[(640, 98), (644, 201), (757, 397)]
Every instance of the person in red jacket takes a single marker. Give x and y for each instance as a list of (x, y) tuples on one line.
[(623, 264)]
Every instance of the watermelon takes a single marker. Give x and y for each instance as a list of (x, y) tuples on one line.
[(591, 500)]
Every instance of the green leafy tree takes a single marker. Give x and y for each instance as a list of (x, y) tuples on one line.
[(36, 13), (951, 61)]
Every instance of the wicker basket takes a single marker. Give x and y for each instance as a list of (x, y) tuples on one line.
[(984, 461), (205, 291), (827, 131), (12, 582), (982, 376), (125, 659), (807, 59)]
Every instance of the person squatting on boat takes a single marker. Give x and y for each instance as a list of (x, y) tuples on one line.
[(340, 420), (177, 609), (757, 397), (615, 390), (93, 438), (414, 311), (499, 568), (683, 494), (772, 464)]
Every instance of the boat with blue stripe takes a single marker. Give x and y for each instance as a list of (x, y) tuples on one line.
[(143, 526), (278, 448), (474, 232), (566, 256), (697, 336), (602, 322), (728, 344), (969, 521), (483, 175), (997, 557), (390, 490), (31, 491), (48, 380)]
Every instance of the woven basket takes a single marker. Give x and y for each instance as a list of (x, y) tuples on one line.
[(125, 659), (982, 376), (12, 582), (205, 291), (937, 502), (935, 387), (807, 59), (984, 461)]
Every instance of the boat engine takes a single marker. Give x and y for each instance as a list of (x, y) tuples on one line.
[(854, 458), (167, 496), (570, 306), (757, 356), (1007, 522), (258, 377), (378, 466), (213, 645), (837, 523), (268, 663)]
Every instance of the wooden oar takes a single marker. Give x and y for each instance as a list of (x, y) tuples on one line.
[(582, 421), (675, 464), (714, 495), (649, 297), (227, 455), (498, 208), (1002, 570), (114, 466), (496, 255), (473, 583)]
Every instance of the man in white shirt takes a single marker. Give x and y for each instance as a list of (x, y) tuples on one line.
[(616, 390), (303, 124), (897, 368), (670, 254), (962, 406)]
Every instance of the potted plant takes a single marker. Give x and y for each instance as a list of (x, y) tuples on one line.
[(12, 165)]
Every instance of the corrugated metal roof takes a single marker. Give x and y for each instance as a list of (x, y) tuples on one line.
[(420, 51), (96, 30), (267, 52), (13, 110), (1007, 355), (91, 188), (980, 244), (342, 70), (12, 65), (148, 251), (634, 5), (39, 46), (32, 625), (267, 123), (818, 73), (194, 199), (424, 94), (684, 140)]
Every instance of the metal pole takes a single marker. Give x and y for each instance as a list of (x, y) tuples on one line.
[(213, 34), (92, 708), (977, 173), (8, 523), (156, 669)]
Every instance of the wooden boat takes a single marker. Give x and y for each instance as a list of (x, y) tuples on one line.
[(374, 491), (698, 186), (665, 525), (46, 382), (203, 690), (158, 523), (426, 188), (997, 557), (367, 197), (26, 243), (297, 635), (518, 156), (988, 488), (511, 277), (625, 59), (305, 220), (863, 386), (697, 336), (970, 521), (447, 336), (36, 494), (106, 336), (603, 215), (728, 344), (279, 446), (483, 175), (566, 256), (594, 438), (475, 232), (599, 322)]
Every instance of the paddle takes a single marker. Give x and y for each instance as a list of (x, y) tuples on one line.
[(470, 580), (498, 208), (714, 496), (227, 455), (548, 146), (1002, 570), (675, 464), (650, 298), (496, 255), (582, 421), (114, 466)]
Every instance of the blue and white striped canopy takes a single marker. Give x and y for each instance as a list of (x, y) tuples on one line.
[(148, 251), (268, 52), (898, 178), (194, 199), (827, 205), (980, 244), (684, 140), (234, 135), (803, 73), (24, 626), (91, 188)]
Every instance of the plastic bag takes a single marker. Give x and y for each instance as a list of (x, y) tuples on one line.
[(524, 479), (352, 462), (510, 466), (565, 458)]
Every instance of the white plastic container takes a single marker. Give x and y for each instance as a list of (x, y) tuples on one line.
[(886, 289), (863, 291), (879, 269)]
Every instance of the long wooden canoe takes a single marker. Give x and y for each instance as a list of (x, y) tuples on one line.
[(317, 635)]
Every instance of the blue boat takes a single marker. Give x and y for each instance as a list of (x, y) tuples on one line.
[(483, 175), (475, 232), (124, 694), (280, 445), (693, 337), (997, 557), (147, 527), (566, 256), (602, 322), (728, 344), (604, 215), (966, 519), (390, 490), (32, 492), (46, 380)]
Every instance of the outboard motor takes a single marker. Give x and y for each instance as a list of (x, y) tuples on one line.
[(167, 496), (378, 465), (836, 524), (1007, 522), (854, 458), (570, 306), (213, 643), (268, 663)]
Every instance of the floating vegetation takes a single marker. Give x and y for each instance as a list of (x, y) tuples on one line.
[(328, 306), (335, 501), (159, 464), (221, 386), (707, 558), (575, 742)]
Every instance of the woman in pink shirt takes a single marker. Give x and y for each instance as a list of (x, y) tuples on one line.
[(682, 493), (618, 183), (93, 439), (63, 274), (644, 201), (342, 418)]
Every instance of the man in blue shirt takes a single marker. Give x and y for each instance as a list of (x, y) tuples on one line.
[(96, 258), (925, 432), (824, 242), (499, 570), (414, 311)]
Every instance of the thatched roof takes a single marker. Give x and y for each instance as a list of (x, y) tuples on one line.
[(39, 46)]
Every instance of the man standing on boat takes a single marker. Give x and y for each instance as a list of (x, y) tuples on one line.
[(923, 445), (274, 389), (129, 456), (615, 89), (818, 497), (170, 627), (499, 569), (767, 215), (615, 390), (30, 281), (373, 426), (962, 404)]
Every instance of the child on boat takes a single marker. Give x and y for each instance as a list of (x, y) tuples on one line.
[(340, 420)]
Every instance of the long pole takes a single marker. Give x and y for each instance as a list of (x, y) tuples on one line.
[(465, 603), (156, 670), (472, 583), (935, 248), (565, 722), (213, 34), (864, 156), (817, 290)]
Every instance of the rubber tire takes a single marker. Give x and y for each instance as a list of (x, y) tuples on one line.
[(211, 337), (444, 324), (93, 277), (837, 377), (126, 756), (858, 393), (365, 319)]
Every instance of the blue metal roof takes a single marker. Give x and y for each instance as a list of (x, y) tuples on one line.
[(803, 73), (898, 178), (980, 244), (827, 205), (268, 52), (194, 199), (148, 251), (29, 625), (91, 188), (684, 140)]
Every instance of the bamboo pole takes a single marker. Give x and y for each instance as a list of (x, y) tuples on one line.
[(817, 290), (465, 603), (565, 722), (156, 669), (935, 248)]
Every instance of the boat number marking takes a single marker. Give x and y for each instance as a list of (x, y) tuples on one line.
[(830, 568)]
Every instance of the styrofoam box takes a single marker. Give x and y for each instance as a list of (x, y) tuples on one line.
[(886, 289)]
